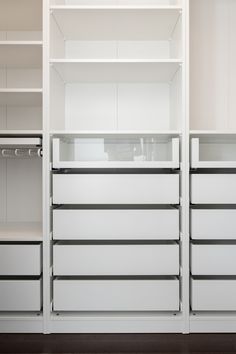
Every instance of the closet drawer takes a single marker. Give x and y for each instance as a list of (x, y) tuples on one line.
[(213, 224), (213, 188), (20, 259), (213, 259), (213, 295), (116, 295), (116, 224), (20, 295), (116, 259), (115, 188)]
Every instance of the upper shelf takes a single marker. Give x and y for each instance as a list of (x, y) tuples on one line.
[(120, 23), (21, 15), (116, 70), (21, 54)]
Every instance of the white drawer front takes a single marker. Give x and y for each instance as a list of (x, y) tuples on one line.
[(20, 295), (20, 259), (213, 224), (213, 188), (213, 259), (115, 189), (116, 295), (213, 295), (116, 259), (116, 224)]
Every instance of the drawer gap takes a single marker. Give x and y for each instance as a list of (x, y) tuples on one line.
[(146, 171), (123, 277)]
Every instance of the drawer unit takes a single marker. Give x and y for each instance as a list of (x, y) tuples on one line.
[(213, 259), (116, 224), (213, 295), (213, 224), (20, 295), (20, 259), (115, 188), (116, 259), (213, 188), (116, 295)]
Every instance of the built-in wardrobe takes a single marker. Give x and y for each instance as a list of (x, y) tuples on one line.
[(117, 166)]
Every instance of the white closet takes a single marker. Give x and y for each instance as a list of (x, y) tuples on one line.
[(117, 166)]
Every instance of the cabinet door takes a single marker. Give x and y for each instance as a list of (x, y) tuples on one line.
[(115, 188)]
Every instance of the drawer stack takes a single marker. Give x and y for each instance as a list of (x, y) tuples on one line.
[(115, 240), (20, 283), (213, 234)]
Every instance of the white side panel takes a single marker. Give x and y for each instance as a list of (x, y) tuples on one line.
[(213, 188), (213, 295), (20, 260), (116, 259), (20, 295), (213, 259), (213, 224), (116, 224), (115, 189), (116, 295)]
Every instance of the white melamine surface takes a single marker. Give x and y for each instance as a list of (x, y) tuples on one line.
[(116, 224), (116, 189), (116, 260), (210, 224), (213, 295), (20, 295), (116, 295), (20, 259), (116, 24), (213, 259), (213, 188)]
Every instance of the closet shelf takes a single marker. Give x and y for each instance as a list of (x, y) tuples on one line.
[(116, 70), (21, 231), (116, 23), (167, 133)]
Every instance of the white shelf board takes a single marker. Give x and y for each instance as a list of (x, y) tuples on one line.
[(168, 133), (21, 54), (116, 23), (212, 132), (20, 97), (21, 231), (9, 132), (116, 70)]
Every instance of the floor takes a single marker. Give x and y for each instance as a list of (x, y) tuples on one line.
[(118, 343)]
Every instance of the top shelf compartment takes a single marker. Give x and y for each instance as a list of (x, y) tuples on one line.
[(21, 20), (116, 33)]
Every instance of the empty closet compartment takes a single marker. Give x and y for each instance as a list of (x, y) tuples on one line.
[(119, 224), (74, 188), (20, 295), (213, 223), (209, 188), (213, 259), (213, 152), (116, 95), (20, 259), (109, 260), (116, 295), (20, 189), (121, 30), (212, 65), (213, 294), (128, 151)]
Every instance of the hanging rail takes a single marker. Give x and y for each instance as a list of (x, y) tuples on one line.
[(21, 152)]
